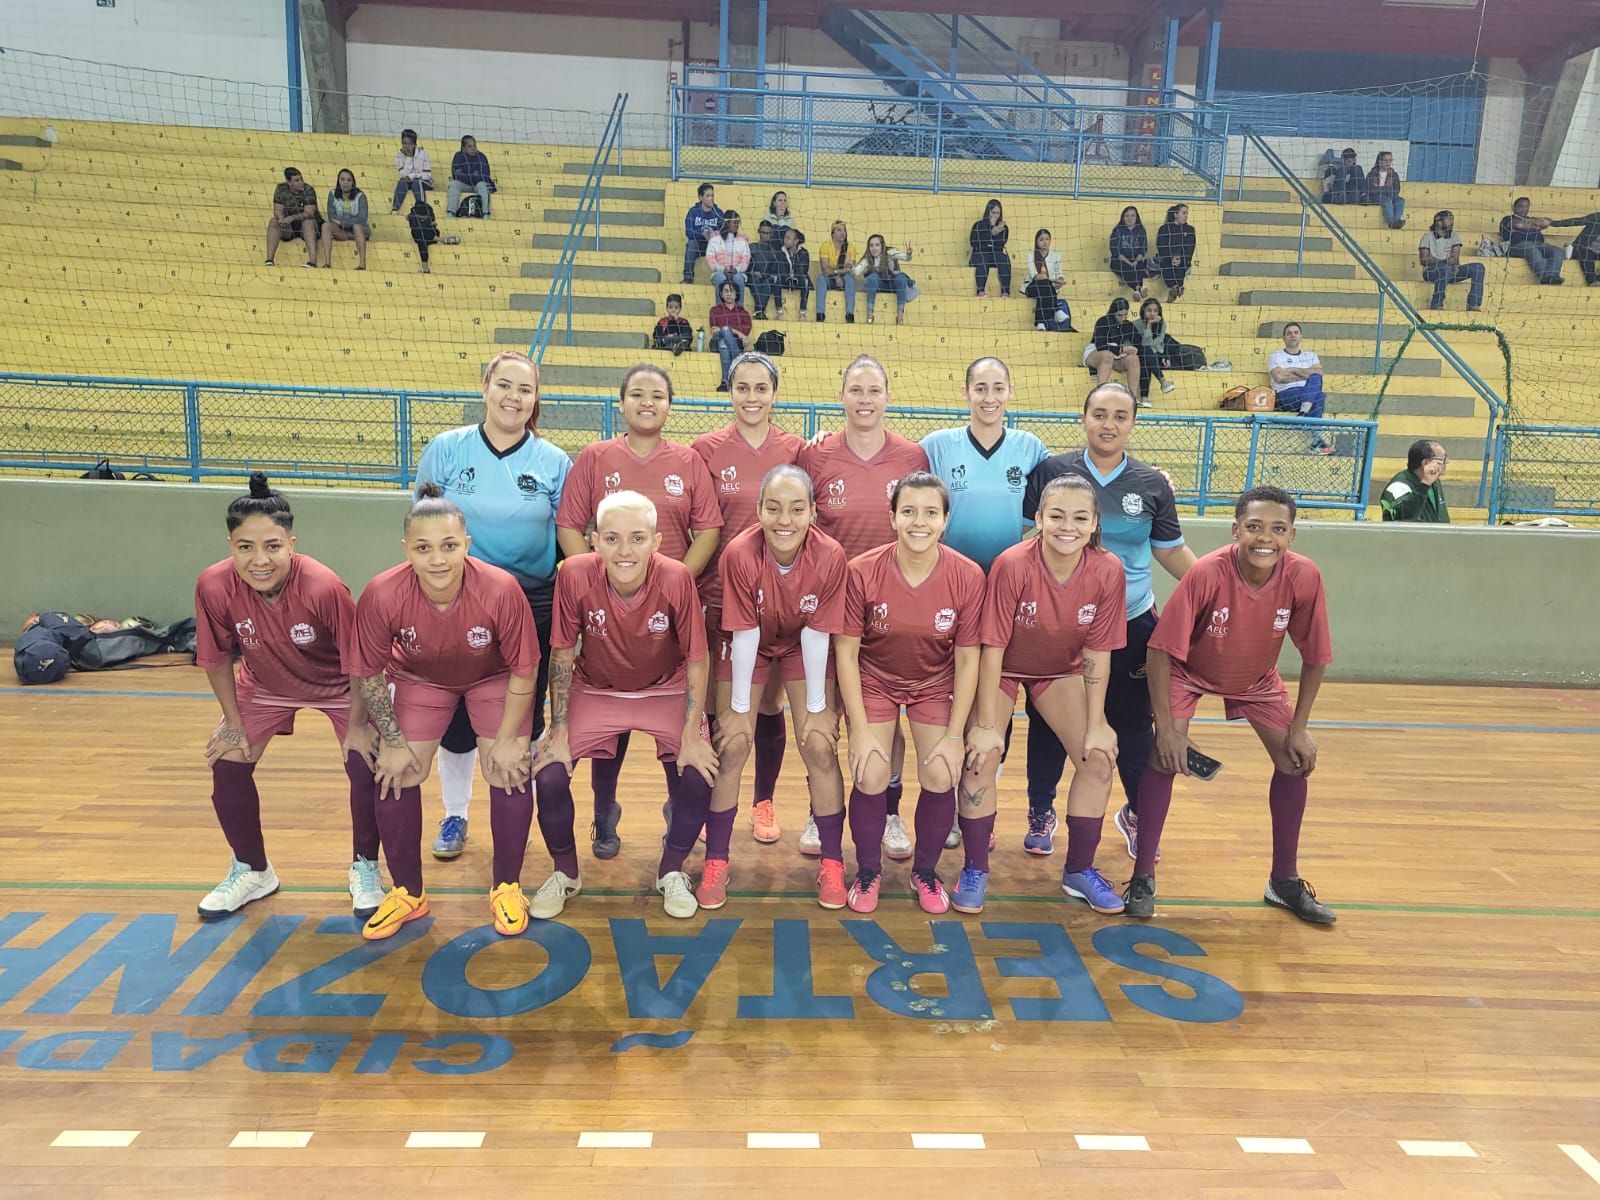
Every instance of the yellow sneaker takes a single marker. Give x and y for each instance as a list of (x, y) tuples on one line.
[(510, 909), (398, 907)]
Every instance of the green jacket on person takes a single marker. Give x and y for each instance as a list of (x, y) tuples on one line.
[(1406, 499)]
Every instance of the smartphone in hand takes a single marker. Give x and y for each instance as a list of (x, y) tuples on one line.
[(1203, 766)]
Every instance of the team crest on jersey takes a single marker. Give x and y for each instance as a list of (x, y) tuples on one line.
[(408, 640), (888, 489), (613, 481), (302, 634), (478, 637), (808, 602), (246, 629), (594, 624), (465, 482), (528, 484), (1086, 613), (944, 620), (657, 622), (835, 490), (1219, 623), (1014, 476), (878, 617), (1133, 505), (1280, 620), (673, 484), (761, 598), (1027, 613)]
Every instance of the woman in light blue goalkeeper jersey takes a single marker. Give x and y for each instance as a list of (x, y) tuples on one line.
[(507, 480)]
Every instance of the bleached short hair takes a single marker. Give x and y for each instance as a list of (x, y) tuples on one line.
[(625, 502)]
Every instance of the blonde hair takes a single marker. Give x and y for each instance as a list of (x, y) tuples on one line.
[(625, 502)]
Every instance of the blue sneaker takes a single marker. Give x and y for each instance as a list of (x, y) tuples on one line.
[(452, 839), (1093, 889), (970, 890), (1041, 836)]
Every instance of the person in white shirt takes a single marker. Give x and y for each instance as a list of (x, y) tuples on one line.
[(1296, 375), (1045, 281), (1439, 252), (416, 173)]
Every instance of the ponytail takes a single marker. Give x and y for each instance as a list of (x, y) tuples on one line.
[(430, 502)]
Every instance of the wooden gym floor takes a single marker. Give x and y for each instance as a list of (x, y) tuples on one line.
[(1442, 1040)]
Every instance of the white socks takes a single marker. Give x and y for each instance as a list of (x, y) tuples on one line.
[(456, 772)]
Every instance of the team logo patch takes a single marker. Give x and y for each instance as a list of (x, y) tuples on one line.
[(1014, 476), (673, 485), (613, 481), (1219, 623), (888, 489), (528, 484), (478, 637), (836, 488), (408, 640), (657, 622), (944, 620), (808, 602), (1027, 613), (302, 634), (246, 629), (1280, 620), (467, 476), (1086, 614), (958, 472), (594, 623), (729, 474), (880, 612), (1133, 505)]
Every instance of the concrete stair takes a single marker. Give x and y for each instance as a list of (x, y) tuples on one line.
[(608, 244), (597, 272), (1289, 270), (611, 191), (629, 170), (610, 218), (612, 306), (1276, 241)]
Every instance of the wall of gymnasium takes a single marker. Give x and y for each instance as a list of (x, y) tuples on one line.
[(1407, 603)]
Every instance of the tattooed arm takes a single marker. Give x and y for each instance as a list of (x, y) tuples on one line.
[(395, 760), (694, 752), (555, 747), (229, 733)]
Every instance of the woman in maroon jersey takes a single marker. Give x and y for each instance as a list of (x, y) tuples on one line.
[(739, 455), (783, 595), (628, 652), (442, 626), (911, 641), (1054, 611), (674, 478), (291, 622)]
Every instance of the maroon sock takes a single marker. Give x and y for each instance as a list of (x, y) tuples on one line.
[(936, 812), (830, 830), (363, 808), (719, 832), (975, 833), (603, 773), (1155, 798), (400, 826), (238, 805), (510, 818), (868, 816), (554, 788), (1287, 797), (892, 796), (772, 737), (691, 801), (1083, 839)]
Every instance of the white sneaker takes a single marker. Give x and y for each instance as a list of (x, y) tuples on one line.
[(811, 840), (677, 895), (896, 842), (1040, 326), (366, 888), (953, 838), (1168, 386), (240, 887), (553, 895)]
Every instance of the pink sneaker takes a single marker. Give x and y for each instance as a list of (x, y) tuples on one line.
[(830, 885), (713, 889), (863, 897), (930, 892)]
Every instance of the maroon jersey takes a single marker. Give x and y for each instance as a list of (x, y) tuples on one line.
[(1046, 625), (638, 645), (486, 631), (1227, 632), (758, 594), (853, 494), (297, 647), (674, 477), (909, 634), (737, 470)]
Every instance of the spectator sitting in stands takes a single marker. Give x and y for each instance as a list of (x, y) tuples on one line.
[(347, 219), (794, 271), (1524, 239), (1130, 249), (702, 220), (1115, 347), (469, 172), (1417, 493), (1343, 182), (1586, 246), (416, 173), (1155, 359), (879, 268), (294, 215), (1383, 189), (988, 241), (1044, 285), (1439, 252), (778, 214), (425, 232), (1175, 250), (836, 263), (728, 255), (764, 268), (730, 328), (1296, 375), (672, 332)]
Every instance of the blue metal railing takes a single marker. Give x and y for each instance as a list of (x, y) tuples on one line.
[(1545, 471), (196, 430), (559, 297)]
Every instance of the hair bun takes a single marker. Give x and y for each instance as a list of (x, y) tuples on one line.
[(259, 488), (430, 491)]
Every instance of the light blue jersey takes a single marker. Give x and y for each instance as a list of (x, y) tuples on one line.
[(986, 488), (510, 499)]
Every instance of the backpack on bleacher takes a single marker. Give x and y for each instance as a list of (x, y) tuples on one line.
[(471, 205), (770, 343)]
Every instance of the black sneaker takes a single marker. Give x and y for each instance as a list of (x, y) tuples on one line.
[(1139, 897), (723, 386), (760, 314), (849, 318), (821, 317), (1300, 898), (603, 839)]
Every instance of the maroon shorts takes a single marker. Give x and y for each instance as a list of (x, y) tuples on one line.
[(925, 706), (597, 719), (267, 716), (1011, 686), (791, 668), (424, 711), (1269, 707)]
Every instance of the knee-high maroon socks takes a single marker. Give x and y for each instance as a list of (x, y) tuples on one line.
[(400, 828), (771, 740), (975, 833), (690, 795), (238, 808), (830, 832), (1155, 800), (1083, 839), (1287, 798), (603, 774), (510, 819), (936, 812), (869, 814), (363, 808), (554, 789)]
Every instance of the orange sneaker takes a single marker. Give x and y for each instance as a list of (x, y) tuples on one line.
[(398, 907), (713, 889), (830, 884), (764, 822), (510, 909)]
